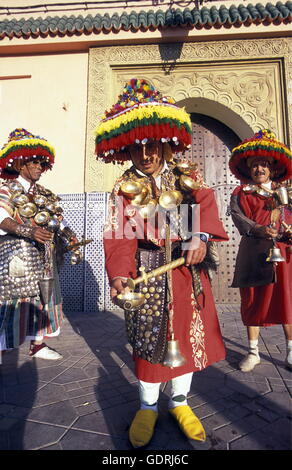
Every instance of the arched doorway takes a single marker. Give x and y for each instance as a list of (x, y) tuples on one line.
[(212, 144)]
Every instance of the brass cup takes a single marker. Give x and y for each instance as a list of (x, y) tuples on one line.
[(19, 199), (15, 186), (249, 187), (169, 200), (28, 210), (53, 225), (184, 167), (51, 207), (141, 199), (131, 189), (130, 300), (148, 210), (187, 183), (40, 200), (262, 192), (41, 218)]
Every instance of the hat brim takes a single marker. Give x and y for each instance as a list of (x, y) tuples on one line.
[(281, 163), (147, 121), (24, 149)]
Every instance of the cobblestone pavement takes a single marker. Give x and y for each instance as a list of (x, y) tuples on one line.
[(86, 401)]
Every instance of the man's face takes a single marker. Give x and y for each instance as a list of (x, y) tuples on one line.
[(32, 170), (260, 171), (147, 158)]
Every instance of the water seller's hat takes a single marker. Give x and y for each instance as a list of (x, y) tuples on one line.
[(141, 114)]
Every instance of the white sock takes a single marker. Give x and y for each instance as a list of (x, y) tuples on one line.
[(253, 347), (144, 406), (180, 387), (149, 394), (289, 344)]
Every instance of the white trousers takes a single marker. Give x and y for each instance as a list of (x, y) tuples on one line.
[(149, 392)]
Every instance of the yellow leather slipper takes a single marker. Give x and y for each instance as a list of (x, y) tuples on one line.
[(142, 427), (189, 423)]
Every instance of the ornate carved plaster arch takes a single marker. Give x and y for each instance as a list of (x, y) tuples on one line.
[(248, 77)]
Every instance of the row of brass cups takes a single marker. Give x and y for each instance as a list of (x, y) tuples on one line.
[(168, 200), (44, 211), (283, 193)]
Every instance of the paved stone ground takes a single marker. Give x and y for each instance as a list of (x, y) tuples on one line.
[(86, 401)]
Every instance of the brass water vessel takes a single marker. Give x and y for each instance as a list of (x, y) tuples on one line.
[(130, 300), (169, 200), (148, 210), (131, 189), (142, 198), (188, 184), (19, 199), (41, 218), (28, 210)]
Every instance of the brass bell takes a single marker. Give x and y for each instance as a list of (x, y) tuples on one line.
[(187, 183), (41, 218), (28, 210), (275, 255), (169, 200), (131, 189), (19, 199), (173, 357)]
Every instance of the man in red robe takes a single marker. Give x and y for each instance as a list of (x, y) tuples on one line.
[(31, 228), (263, 220), (179, 306)]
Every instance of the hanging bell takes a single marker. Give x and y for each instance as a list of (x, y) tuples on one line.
[(275, 255), (173, 357)]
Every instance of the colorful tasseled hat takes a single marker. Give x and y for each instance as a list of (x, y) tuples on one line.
[(262, 144), (141, 114), (24, 146)]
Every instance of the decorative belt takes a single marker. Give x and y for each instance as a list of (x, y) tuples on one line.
[(147, 327)]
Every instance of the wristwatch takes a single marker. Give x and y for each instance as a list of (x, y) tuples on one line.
[(202, 236)]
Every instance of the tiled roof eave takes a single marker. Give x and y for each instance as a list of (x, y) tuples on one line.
[(243, 15)]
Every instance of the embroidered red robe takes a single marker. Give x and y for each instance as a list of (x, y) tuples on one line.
[(195, 324), (263, 302)]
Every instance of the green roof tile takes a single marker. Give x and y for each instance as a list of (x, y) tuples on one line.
[(202, 17)]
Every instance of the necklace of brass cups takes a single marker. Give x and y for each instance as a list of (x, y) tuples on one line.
[(283, 194), (140, 194), (44, 208)]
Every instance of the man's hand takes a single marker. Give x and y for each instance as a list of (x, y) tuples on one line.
[(196, 251), (41, 235), (264, 231), (118, 286)]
